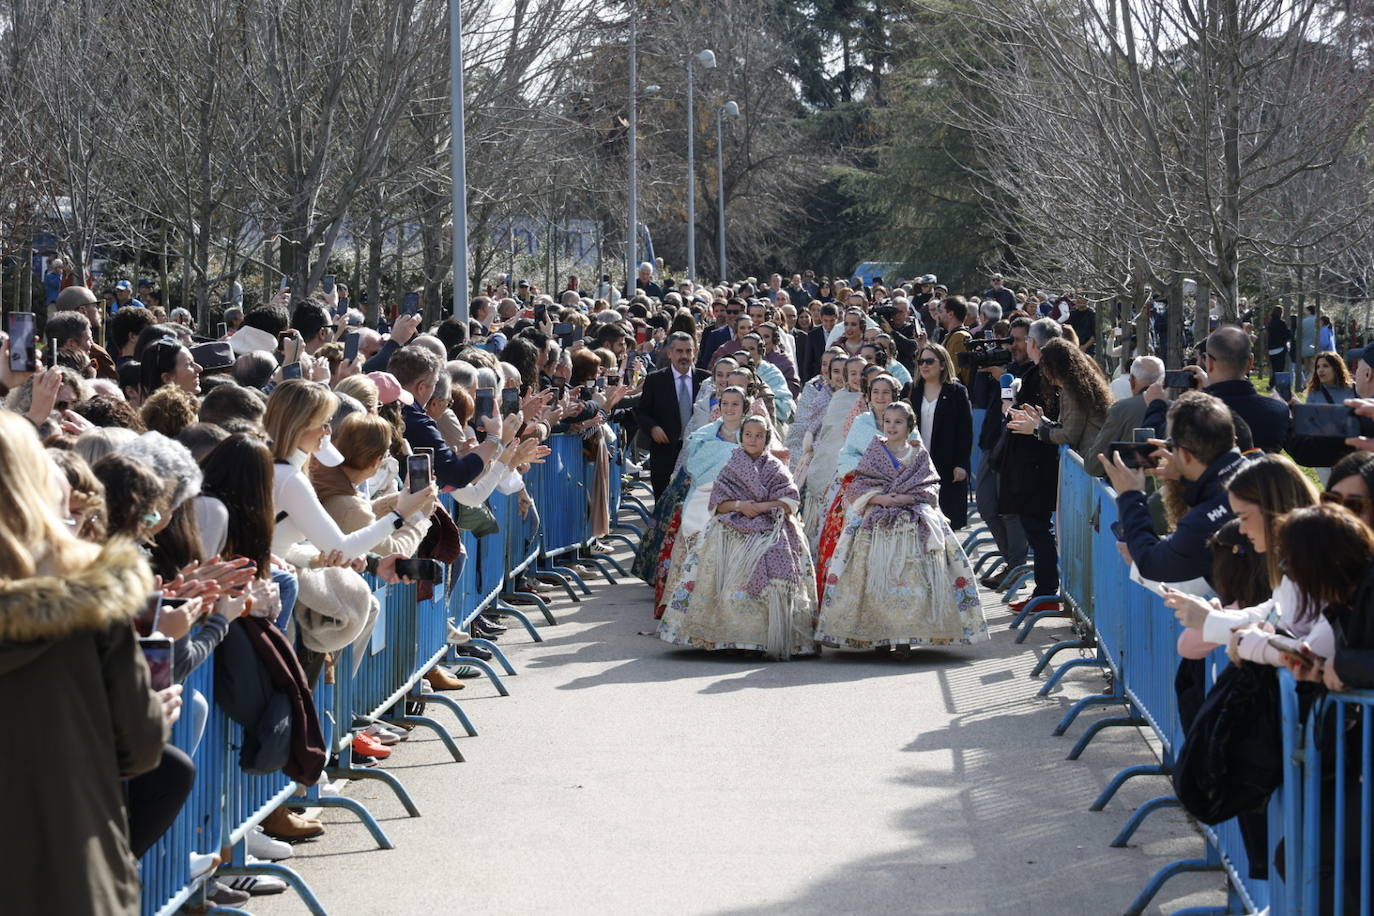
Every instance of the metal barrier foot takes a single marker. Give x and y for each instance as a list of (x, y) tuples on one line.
[(1062, 670), (599, 563), (622, 538), (559, 580), (575, 576), (972, 536), (275, 870), (1029, 608), (1022, 574), (486, 669), (1135, 820), (538, 602), (1054, 650), (438, 729), (451, 704), (1097, 699), (987, 561), (1094, 729), (1138, 906), (510, 611), (352, 804), (1039, 616), (496, 652), (1119, 780)]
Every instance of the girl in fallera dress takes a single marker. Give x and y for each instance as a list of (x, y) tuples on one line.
[(898, 576), (747, 582), (815, 397), (820, 473)]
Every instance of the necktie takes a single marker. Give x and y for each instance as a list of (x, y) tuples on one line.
[(684, 400)]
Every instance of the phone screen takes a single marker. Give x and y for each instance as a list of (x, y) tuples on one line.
[(1142, 434), (223, 330), (641, 336), (510, 401), (560, 391), (157, 651), (541, 312), (1325, 421), (327, 284), (291, 370), (1133, 454), (485, 405), (145, 621), (601, 383), (1178, 378), (418, 472), (613, 380), (410, 305), (1283, 384), (23, 346), (351, 342), (285, 283), (588, 392)]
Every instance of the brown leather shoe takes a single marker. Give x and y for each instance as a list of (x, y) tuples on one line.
[(440, 679), (285, 824)]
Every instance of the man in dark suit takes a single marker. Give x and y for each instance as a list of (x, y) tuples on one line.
[(810, 361), (665, 406), (726, 314)]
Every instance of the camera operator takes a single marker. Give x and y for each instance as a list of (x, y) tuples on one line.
[(1028, 467), (896, 321), (1006, 529), (956, 337)]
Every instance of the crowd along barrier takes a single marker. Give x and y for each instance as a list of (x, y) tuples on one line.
[(379, 677), (1319, 819)]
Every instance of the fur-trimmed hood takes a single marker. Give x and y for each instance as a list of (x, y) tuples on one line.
[(38, 611)]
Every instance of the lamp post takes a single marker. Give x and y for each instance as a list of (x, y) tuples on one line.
[(631, 237), (707, 59), (731, 109), (458, 164)]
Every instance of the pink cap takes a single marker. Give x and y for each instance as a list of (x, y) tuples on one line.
[(389, 390)]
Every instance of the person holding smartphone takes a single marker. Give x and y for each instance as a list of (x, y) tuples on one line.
[(417, 370)]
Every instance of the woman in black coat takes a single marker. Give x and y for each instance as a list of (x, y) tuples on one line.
[(945, 420), (1277, 338)]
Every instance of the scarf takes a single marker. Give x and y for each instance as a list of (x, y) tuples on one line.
[(879, 472), (777, 553)]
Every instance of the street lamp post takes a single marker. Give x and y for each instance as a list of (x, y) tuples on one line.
[(458, 164), (731, 109), (631, 236), (707, 59)]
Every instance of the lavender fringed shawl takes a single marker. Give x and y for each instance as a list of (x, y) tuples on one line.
[(762, 479), (877, 473)]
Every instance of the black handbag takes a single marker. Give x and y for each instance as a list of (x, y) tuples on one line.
[(1232, 758)]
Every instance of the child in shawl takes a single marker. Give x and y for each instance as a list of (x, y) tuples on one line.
[(898, 576), (748, 584)]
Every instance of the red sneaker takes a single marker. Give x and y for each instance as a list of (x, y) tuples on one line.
[(367, 746), (1018, 606)]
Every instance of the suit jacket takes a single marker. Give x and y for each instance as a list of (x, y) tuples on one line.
[(815, 347), (658, 402), (951, 431), (1122, 417), (710, 341)]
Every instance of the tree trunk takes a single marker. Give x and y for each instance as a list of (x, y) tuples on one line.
[(376, 240)]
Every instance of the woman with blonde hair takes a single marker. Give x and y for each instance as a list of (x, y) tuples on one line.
[(66, 608)]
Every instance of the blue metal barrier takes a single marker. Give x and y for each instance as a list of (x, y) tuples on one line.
[(1336, 855)]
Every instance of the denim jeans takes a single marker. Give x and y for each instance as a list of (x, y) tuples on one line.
[(1006, 529)]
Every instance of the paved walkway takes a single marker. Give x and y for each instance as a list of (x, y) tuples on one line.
[(625, 776)]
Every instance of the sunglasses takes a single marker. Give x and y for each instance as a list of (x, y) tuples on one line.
[(1356, 504), (928, 361)]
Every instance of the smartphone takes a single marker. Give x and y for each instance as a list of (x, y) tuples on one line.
[(1142, 434), (285, 284), (327, 284), (1118, 531), (613, 381), (1291, 648), (588, 392), (1325, 421), (351, 342), (560, 391), (410, 305), (601, 383), (23, 342), (145, 621), (419, 469), (541, 312), (157, 651), (290, 347), (1133, 454), (290, 371), (485, 405), (510, 401), (421, 569), (1179, 378), (563, 329), (223, 330), (1283, 384)]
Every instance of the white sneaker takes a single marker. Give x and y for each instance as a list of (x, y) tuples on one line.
[(202, 864), (457, 637), (332, 789), (257, 885), (382, 734), (396, 730), (262, 846)]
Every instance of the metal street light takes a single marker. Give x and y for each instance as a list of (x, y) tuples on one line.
[(731, 109), (631, 237), (707, 59), (458, 163)]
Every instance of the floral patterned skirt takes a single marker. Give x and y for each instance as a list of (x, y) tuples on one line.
[(710, 607), (666, 514), (884, 587)]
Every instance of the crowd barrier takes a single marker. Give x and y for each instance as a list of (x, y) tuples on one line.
[(379, 678), (1321, 814)]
